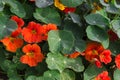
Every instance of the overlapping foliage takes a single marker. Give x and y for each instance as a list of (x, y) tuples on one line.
[(60, 39)]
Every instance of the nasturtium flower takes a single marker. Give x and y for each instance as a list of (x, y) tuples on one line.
[(18, 20), (92, 50), (12, 44), (95, 52), (46, 29), (32, 33), (20, 23), (98, 63), (69, 9), (103, 76), (32, 55), (59, 5), (105, 56), (74, 54), (117, 61)]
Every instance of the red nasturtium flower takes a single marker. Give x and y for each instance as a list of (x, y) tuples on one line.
[(12, 44), (96, 53), (117, 61), (69, 9), (105, 56), (32, 55), (32, 33), (20, 23), (18, 20), (46, 29), (103, 76)]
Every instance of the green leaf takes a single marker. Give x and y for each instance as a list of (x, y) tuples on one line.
[(1, 5), (44, 78), (56, 61), (43, 3), (60, 41), (104, 3), (67, 75), (47, 15), (75, 64), (116, 26), (112, 9), (16, 7), (116, 74), (77, 31), (92, 71), (5, 65), (97, 34), (13, 75), (7, 28), (75, 18), (72, 3), (117, 3), (97, 19), (31, 78), (80, 45), (114, 47), (53, 74)]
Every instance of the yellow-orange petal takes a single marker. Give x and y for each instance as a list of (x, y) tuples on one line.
[(59, 5)]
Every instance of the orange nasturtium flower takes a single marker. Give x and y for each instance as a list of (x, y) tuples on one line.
[(74, 55), (20, 23), (96, 53), (12, 44), (103, 76), (33, 32), (46, 29), (32, 55)]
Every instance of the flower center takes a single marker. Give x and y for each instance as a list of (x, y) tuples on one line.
[(11, 39), (34, 31), (31, 54), (94, 52)]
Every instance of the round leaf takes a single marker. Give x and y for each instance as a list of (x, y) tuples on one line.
[(97, 34), (60, 41), (67, 75), (56, 61), (72, 3), (47, 15), (75, 64), (97, 19), (92, 71), (16, 8)]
